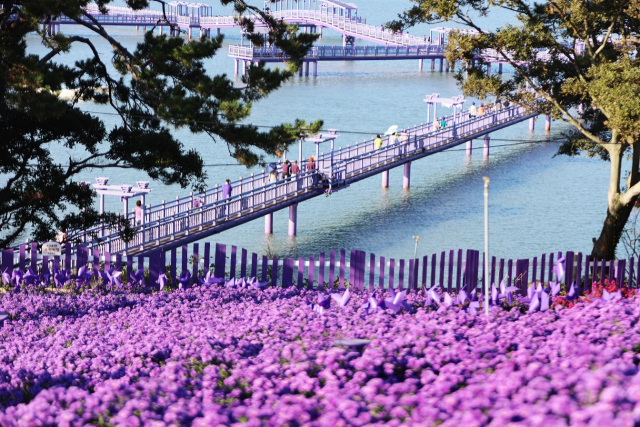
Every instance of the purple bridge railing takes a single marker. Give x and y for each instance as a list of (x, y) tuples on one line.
[(192, 218), (451, 270)]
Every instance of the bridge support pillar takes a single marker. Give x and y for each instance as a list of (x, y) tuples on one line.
[(488, 68), (315, 68), (406, 179), (500, 68), (469, 147), (160, 29), (532, 123), (385, 179), (243, 63), (293, 220), (218, 31), (441, 63), (137, 28), (446, 66), (306, 69), (300, 72), (547, 124), (189, 33), (420, 64), (235, 67), (485, 152), (268, 223), (433, 64)]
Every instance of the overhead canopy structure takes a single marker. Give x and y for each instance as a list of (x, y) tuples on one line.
[(437, 35), (185, 8)]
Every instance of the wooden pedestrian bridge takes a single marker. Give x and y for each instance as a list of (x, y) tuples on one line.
[(196, 216)]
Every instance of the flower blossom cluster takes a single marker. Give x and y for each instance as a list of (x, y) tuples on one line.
[(216, 355)]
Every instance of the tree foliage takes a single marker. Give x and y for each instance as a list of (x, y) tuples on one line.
[(159, 86), (574, 60)]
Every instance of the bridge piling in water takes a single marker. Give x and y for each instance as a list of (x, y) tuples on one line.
[(500, 68), (268, 223), (293, 220), (532, 124), (385, 179), (406, 179), (485, 152), (469, 147), (547, 124), (420, 64), (433, 64), (441, 63)]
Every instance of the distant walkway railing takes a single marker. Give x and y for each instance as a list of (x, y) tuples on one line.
[(341, 52)]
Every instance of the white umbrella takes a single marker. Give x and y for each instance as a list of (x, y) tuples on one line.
[(391, 130)]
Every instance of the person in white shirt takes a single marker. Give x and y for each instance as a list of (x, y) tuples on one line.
[(472, 110), (393, 138)]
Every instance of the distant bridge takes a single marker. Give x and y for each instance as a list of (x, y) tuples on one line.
[(187, 219)]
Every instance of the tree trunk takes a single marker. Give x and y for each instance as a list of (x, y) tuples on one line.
[(617, 212), (605, 246)]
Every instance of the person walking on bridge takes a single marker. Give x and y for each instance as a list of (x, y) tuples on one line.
[(286, 169), (472, 110), (481, 110), (226, 189), (295, 169), (404, 137), (312, 164), (377, 143)]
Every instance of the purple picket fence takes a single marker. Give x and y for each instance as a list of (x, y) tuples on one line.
[(452, 270)]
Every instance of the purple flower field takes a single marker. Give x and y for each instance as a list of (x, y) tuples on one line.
[(211, 356)]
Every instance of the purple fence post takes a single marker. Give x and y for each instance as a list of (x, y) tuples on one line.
[(442, 269), (522, 275), (551, 265), (603, 270), (321, 271), (381, 273), (107, 260), (621, 271), (362, 265), (401, 275), (300, 272), (96, 263), (311, 271), (232, 268), (154, 268), (7, 261), (534, 270), (372, 272), (392, 267), (459, 271), (509, 270), (22, 258), (56, 262), (243, 263), (67, 257), (493, 270), (163, 262), (631, 274), (450, 278), (287, 272), (274, 271), (207, 258), (612, 270), (587, 272), (34, 257), (342, 265), (196, 262), (433, 270), (410, 281), (45, 263), (174, 266), (501, 271), (425, 264), (254, 265), (353, 261), (578, 275), (185, 260), (265, 264), (220, 260), (594, 277), (129, 267), (119, 262), (332, 269), (542, 265)]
